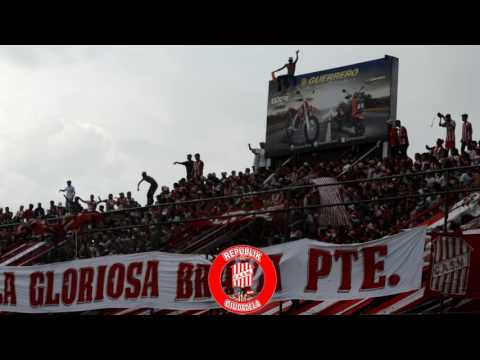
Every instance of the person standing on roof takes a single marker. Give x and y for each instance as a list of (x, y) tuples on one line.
[(110, 202), (259, 161), (131, 202), (449, 124), (289, 79), (188, 166), (70, 195), (92, 203), (402, 139), (393, 140), (151, 190), (39, 212), (76, 207), (198, 167), (467, 133)]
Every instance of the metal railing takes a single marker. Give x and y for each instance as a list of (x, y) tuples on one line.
[(287, 209)]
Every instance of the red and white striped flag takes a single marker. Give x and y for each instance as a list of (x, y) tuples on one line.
[(450, 265), (242, 275)]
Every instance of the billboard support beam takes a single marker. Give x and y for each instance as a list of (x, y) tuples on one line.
[(394, 64)]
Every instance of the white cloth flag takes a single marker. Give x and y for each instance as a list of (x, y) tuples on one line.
[(306, 269)]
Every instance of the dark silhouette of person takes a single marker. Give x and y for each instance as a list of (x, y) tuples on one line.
[(151, 190), (288, 79), (189, 165)]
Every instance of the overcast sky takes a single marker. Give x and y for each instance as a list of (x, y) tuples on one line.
[(100, 115)]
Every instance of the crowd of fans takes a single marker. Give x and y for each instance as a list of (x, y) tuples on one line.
[(126, 227)]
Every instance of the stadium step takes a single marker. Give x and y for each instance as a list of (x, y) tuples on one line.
[(24, 252), (12, 251)]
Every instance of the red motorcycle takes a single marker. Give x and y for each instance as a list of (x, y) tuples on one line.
[(304, 118)]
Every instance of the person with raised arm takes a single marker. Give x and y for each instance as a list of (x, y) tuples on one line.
[(450, 125), (92, 203), (288, 79), (259, 161), (69, 195), (189, 165)]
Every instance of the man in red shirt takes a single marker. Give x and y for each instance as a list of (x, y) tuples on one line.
[(402, 139), (198, 167), (449, 124), (437, 149), (393, 141), (28, 214)]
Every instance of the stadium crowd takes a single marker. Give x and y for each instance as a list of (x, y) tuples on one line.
[(123, 226)]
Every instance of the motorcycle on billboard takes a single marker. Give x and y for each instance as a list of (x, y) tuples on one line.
[(304, 120), (350, 114)]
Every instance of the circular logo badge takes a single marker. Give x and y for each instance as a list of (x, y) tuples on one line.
[(241, 267)]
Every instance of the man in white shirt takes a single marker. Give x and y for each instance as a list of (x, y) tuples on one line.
[(19, 214), (260, 160), (69, 195)]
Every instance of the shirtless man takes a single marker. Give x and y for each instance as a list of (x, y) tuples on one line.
[(289, 79), (110, 202), (92, 203)]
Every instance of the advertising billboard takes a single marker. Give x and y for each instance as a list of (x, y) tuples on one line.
[(331, 108)]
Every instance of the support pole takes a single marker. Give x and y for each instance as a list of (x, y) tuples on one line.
[(75, 234), (445, 228), (287, 216)]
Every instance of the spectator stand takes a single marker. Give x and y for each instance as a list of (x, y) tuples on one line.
[(281, 211)]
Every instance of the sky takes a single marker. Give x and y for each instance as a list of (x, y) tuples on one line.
[(100, 115)]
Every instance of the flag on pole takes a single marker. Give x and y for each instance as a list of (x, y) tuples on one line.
[(332, 215)]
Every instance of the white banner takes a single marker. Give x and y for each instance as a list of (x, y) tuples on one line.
[(306, 269), (313, 270)]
